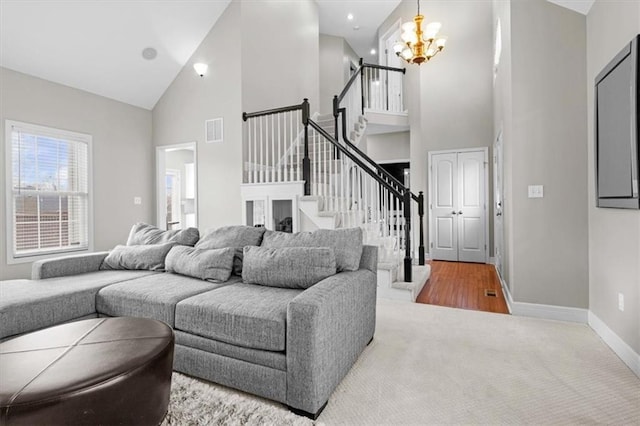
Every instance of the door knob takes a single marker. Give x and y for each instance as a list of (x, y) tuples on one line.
[(499, 214), (460, 212), (454, 212)]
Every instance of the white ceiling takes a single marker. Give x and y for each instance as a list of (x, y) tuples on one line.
[(97, 45), (580, 6), (368, 15)]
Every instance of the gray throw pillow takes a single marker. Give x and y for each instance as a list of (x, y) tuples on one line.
[(145, 257), (289, 267), (212, 265), (346, 243), (142, 234), (231, 236)]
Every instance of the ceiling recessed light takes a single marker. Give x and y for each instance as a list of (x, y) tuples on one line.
[(373, 51), (149, 53), (350, 16)]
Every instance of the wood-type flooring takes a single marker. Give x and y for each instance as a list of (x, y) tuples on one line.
[(462, 285)]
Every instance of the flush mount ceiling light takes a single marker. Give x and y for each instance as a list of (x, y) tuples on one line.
[(350, 16), (419, 46), (200, 68), (373, 51), (149, 53)]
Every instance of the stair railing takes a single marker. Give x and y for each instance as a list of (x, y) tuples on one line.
[(271, 149), (371, 87)]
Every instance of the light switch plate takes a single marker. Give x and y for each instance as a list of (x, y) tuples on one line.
[(137, 201), (536, 191)]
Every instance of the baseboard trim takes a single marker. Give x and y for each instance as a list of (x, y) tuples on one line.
[(537, 310), (617, 345)]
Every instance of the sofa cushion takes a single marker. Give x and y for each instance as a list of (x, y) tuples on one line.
[(231, 236), (143, 257), (213, 265), (28, 305), (247, 315), (288, 267), (150, 297), (346, 243), (142, 234)]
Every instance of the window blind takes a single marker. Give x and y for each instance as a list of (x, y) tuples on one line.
[(50, 190)]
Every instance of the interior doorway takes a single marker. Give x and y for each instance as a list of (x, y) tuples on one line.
[(176, 186), (458, 203)]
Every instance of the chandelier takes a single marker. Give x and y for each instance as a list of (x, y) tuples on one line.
[(419, 46)]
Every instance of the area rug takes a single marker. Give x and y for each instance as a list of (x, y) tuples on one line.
[(195, 402), (435, 365)]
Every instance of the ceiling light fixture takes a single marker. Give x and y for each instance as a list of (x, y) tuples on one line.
[(373, 51), (417, 46), (350, 16), (200, 68)]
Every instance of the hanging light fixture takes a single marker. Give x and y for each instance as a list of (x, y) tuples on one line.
[(419, 46)]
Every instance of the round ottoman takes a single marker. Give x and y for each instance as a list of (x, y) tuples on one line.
[(109, 371)]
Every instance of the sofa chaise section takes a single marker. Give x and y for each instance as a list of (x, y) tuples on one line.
[(29, 305)]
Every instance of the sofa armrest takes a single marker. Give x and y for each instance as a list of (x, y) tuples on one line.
[(67, 265), (369, 258), (328, 326)]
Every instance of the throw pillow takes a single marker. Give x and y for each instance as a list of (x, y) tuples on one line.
[(144, 257), (289, 267), (346, 243), (142, 234), (231, 236), (212, 265)]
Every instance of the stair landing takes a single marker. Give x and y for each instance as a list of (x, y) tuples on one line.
[(391, 284)]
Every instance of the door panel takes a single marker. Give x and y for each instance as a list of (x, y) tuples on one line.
[(458, 209), (445, 240), (471, 209)]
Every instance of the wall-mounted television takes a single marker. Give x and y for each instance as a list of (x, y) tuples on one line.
[(617, 146)]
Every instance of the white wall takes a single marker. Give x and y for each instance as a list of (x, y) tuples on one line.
[(122, 161), (614, 234)]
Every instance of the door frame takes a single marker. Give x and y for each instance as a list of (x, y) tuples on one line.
[(430, 154), (382, 41), (161, 152), (498, 208)]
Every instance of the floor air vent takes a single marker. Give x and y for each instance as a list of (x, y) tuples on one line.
[(490, 293)]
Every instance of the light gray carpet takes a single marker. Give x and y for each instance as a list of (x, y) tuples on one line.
[(435, 365)]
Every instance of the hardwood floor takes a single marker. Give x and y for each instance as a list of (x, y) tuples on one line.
[(463, 285)]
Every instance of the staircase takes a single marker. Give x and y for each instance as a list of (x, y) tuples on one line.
[(338, 185)]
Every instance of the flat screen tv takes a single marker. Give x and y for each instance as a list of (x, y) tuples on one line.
[(616, 130)]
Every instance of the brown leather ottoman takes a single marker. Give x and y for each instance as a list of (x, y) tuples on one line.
[(109, 371)]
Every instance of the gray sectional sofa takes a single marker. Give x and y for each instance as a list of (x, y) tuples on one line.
[(288, 323)]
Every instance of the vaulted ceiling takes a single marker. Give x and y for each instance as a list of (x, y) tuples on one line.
[(97, 46)]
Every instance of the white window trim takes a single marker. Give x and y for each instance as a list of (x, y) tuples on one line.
[(59, 133)]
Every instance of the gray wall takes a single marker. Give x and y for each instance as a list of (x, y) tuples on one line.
[(547, 147), (122, 164), (280, 53), (614, 235), (336, 56), (450, 99), (180, 114), (254, 64), (389, 146)]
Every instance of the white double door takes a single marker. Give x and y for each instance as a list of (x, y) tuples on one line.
[(458, 205)]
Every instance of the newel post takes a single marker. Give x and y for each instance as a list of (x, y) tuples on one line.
[(306, 163), (407, 236)]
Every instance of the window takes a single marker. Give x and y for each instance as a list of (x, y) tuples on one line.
[(48, 194)]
